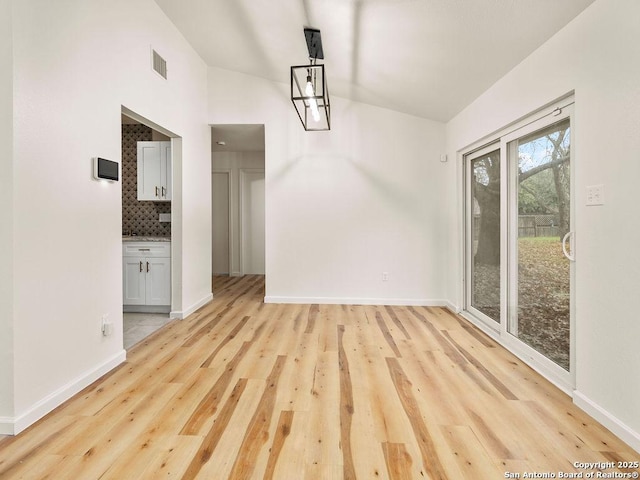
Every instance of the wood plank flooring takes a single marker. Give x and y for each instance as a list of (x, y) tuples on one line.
[(244, 390)]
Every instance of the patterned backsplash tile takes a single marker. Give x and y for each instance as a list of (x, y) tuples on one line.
[(140, 218)]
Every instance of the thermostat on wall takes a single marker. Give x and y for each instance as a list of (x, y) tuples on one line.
[(104, 169)]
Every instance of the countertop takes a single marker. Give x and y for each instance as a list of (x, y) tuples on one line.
[(138, 238)]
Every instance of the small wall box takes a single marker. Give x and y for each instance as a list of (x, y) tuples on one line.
[(104, 169)]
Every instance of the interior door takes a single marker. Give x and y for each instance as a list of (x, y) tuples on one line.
[(252, 222), (220, 216)]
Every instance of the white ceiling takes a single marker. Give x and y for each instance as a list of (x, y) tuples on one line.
[(428, 58)]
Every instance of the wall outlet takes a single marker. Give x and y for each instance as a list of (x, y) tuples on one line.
[(595, 195), (385, 276), (106, 325)]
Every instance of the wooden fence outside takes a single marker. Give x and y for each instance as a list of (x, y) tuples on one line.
[(530, 226), (538, 226)]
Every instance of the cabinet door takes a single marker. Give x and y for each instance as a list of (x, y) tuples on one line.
[(158, 281), (133, 282), (165, 170), (149, 168)]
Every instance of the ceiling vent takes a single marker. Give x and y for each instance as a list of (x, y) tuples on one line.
[(159, 64)]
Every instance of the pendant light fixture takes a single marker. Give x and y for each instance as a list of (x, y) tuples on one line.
[(309, 92)]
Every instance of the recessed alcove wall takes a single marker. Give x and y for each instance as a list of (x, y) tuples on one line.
[(141, 218)]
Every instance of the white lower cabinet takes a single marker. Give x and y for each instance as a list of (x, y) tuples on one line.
[(146, 270)]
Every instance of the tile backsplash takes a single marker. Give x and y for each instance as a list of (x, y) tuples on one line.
[(140, 218)]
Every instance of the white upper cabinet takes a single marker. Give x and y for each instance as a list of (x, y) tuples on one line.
[(154, 171)]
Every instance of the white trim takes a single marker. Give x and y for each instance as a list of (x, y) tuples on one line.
[(13, 426), (619, 428), (180, 314), (561, 102), (418, 302), (453, 308)]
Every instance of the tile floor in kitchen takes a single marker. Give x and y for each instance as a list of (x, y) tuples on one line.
[(137, 326)]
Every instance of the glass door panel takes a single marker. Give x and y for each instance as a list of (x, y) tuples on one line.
[(484, 229), (540, 302)]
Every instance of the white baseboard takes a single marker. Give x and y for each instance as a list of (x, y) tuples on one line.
[(419, 302), (180, 314), (146, 308), (623, 431), (13, 426), (454, 308)]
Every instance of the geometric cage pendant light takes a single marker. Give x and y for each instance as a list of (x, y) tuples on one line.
[(309, 92)]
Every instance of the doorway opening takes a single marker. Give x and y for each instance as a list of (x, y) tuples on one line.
[(238, 199), (150, 155)]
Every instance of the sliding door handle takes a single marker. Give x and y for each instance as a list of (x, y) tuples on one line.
[(571, 256)]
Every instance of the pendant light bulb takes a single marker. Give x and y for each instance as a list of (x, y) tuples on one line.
[(313, 104), (308, 89)]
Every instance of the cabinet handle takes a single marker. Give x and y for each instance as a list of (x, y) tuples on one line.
[(141, 265), (164, 192), (144, 249), (156, 191), (147, 267)]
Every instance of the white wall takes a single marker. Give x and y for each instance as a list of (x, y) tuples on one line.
[(233, 162), (6, 213), (76, 64), (346, 205), (597, 56)]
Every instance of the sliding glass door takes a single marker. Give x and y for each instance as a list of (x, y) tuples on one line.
[(483, 224), (539, 313), (518, 224)]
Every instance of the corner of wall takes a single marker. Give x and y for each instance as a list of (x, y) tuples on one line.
[(6, 215)]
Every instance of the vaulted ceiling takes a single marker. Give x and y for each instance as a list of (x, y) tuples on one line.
[(428, 58)]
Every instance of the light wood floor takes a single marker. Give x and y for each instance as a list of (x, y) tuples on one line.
[(242, 389)]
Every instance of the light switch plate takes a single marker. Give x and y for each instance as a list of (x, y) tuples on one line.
[(595, 195)]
